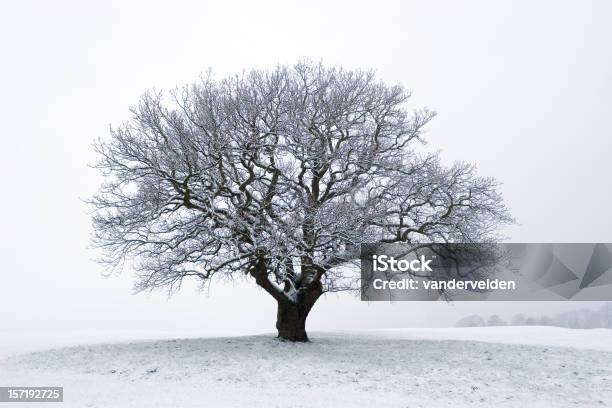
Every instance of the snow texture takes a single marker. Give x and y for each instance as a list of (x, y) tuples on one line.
[(483, 367)]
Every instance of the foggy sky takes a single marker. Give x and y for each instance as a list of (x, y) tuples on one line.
[(523, 89)]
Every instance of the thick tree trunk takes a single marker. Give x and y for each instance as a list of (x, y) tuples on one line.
[(291, 321), (292, 311), (291, 317)]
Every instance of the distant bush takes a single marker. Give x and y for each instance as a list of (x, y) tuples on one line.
[(575, 319), (471, 321)]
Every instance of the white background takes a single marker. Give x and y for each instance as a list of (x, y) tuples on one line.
[(523, 89)]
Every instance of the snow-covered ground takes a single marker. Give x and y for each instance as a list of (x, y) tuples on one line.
[(509, 366)]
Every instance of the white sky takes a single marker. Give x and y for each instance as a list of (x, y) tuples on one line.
[(522, 88)]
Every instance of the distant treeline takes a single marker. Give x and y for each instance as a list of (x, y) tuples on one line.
[(576, 319)]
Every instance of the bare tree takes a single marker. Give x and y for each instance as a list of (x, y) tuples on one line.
[(279, 175)]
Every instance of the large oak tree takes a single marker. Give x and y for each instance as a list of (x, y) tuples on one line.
[(279, 176)]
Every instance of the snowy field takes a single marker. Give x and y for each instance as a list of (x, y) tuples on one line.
[(483, 367)]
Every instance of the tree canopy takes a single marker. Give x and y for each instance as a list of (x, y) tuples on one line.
[(279, 175)]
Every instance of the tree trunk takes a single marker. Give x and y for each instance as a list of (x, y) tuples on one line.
[(291, 321), (291, 317)]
